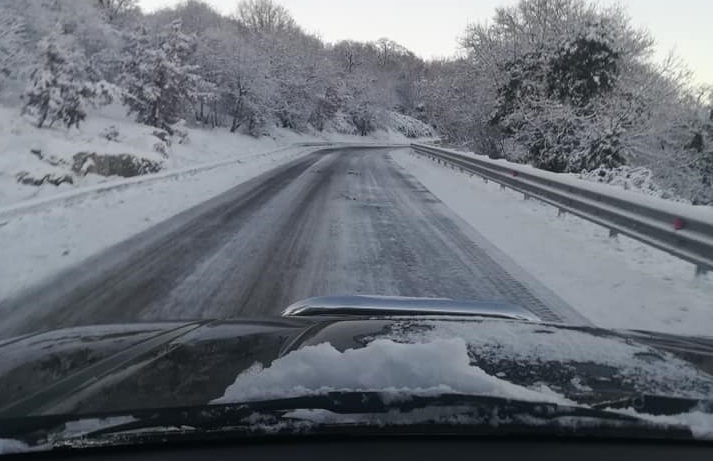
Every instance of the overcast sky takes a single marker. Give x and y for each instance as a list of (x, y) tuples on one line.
[(430, 28)]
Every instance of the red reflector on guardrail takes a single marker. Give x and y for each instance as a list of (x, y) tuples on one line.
[(515, 173), (679, 223)]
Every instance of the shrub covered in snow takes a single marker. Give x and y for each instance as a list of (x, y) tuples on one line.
[(638, 179), (60, 88), (549, 101), (124, 165), (363, 118), (408, 126), (160, 83)]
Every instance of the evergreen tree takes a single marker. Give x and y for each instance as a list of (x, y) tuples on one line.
[(160, 84), (60, 88)]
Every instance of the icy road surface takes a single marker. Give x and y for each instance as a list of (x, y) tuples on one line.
[(348, 221)]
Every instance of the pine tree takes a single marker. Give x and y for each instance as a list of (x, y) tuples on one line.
[(160, 84), (60, 89)]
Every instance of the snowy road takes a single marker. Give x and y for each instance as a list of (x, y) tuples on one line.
[(348, 221)]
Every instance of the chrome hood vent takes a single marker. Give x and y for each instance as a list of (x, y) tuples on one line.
[(373, 306)]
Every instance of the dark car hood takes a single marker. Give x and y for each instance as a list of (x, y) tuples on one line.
[(117, 368)]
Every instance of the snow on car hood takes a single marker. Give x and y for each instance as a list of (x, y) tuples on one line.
[(434, 368), (486, 357), (110, 370), (431, 357), (510, 350)]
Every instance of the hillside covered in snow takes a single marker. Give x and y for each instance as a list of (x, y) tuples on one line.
[(97, 88), (91, 91)]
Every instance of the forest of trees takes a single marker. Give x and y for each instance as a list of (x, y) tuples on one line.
[(247, 72), (563, 85), (569, 86)]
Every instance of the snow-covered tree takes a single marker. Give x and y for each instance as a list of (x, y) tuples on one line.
[(555, 67), (457, 99), (12, 41), (160, 84), (299, 73), (265, 16), (196, 17), (116, 9), (349, 54), (242, 79), (81, 25), (549, 102), (61, 88)]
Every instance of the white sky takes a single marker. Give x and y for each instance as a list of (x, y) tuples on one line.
[(430, 27)]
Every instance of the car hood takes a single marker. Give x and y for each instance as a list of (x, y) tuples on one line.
[(116, 368)]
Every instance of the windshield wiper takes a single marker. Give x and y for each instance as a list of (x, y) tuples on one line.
[(656, 404), (377, 413)]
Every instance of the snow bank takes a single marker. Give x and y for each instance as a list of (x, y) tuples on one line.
[(81, 192), (616, 283), (433, 368), (51, 152), (704, 213)]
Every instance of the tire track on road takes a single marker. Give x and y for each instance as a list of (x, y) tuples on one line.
[(337, 222)]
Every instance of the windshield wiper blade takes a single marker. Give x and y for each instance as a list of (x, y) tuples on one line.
[(656, 404), (470, 414), (477, 409)]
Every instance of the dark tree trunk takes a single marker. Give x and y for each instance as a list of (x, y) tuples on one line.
[(237, 115)]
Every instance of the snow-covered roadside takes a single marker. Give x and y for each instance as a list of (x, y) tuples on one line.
[(643, 194), (616, 283), (47, 228), (36, 153), (47, 240)]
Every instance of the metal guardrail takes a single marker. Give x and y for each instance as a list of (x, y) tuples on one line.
[(678, 230)]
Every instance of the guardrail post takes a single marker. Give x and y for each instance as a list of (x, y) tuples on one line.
[(485, 180), (526, 196), (502, 186), (613, 233), (561, 212), (701, 271)]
